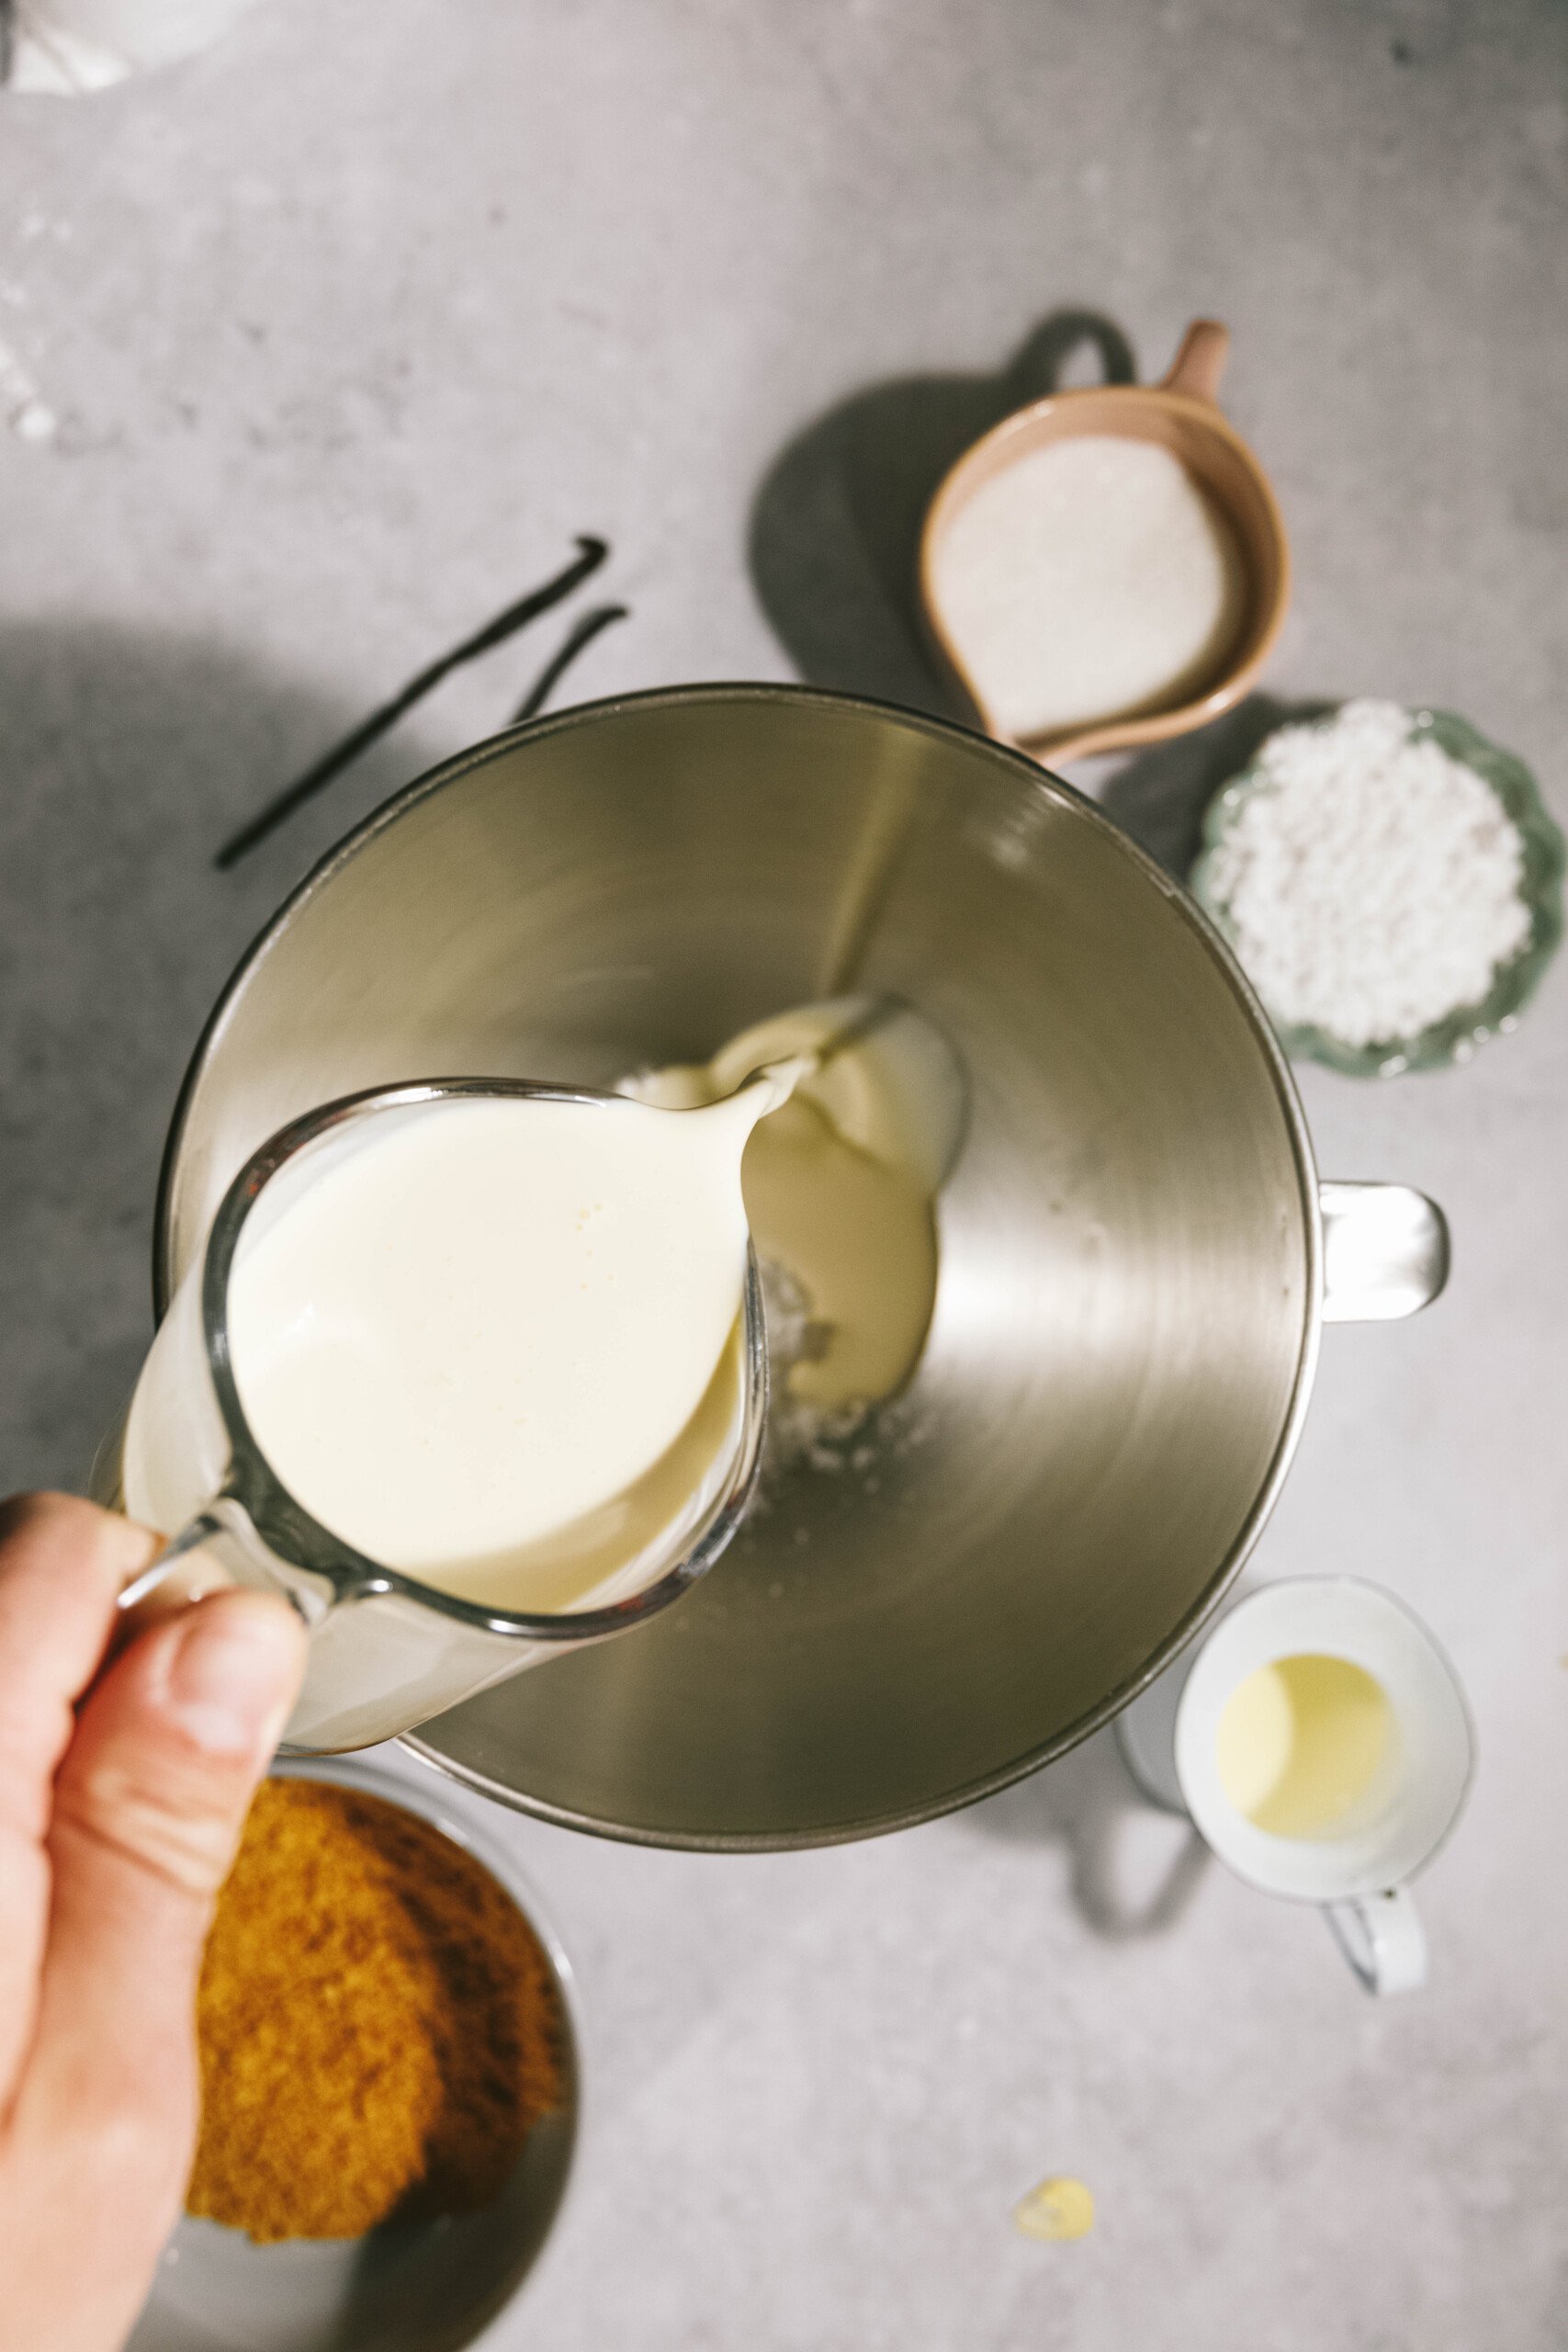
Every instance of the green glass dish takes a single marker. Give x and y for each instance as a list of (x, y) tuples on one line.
[(1457, 1036)]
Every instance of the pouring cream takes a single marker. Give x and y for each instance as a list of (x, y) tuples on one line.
[(497, 1343), (841, 1180)]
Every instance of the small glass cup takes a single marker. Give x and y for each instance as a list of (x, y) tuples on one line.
[(387, 1652)]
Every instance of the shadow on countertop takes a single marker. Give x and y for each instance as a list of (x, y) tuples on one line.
[(126, 754), (1090, 1804), (835, 526), (1160, 796)]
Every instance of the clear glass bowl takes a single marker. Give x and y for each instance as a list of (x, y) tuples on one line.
[(1457, 1036)]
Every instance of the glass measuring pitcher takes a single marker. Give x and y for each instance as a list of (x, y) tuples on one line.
[(386, 1651)]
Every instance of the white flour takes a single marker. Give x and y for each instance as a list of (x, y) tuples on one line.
[(1374, 888), (797, 1432), (855, 1441)]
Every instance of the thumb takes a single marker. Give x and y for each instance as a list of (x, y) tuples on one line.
[(148, 1807)]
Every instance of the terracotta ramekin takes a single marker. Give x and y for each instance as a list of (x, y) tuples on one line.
[(1183, 414)]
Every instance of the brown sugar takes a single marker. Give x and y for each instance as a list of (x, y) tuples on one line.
[(378, 2026)]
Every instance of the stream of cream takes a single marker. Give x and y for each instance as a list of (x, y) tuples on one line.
[(841, 1180)]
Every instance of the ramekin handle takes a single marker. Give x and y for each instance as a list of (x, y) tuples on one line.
[(1382, 1939)]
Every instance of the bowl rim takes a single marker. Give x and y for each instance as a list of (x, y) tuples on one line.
[(1049, 788), (1089, 738), (1453, 1040)]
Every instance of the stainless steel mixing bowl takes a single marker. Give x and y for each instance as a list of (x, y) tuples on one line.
[(1132, 1242)]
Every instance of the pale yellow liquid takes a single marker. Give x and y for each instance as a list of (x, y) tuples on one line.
[(1301, 1741), (840, 1183)]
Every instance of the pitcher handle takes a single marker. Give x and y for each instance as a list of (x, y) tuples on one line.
[(237, 1551), (1382, 1939), (1385, 1251), (1201, 362)]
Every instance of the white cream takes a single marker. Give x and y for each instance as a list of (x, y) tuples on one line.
[(1090, 580), (492, 1323), (499, 1344), (840, 1183)]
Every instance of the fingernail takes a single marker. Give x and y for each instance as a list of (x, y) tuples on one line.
[(233, 1676)]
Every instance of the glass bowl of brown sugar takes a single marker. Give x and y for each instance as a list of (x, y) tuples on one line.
[(390, 2081)]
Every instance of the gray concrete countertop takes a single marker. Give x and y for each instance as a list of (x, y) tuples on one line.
[(344, 328)]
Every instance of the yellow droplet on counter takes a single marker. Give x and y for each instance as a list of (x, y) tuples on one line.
[(1058, 2208)]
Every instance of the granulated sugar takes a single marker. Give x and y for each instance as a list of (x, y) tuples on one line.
[(1092, 578), (1371, 885)]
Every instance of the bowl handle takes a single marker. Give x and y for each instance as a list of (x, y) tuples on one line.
[(1201, 362), (1385, 1251)]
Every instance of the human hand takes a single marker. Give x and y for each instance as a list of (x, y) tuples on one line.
[(118, 1817)]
